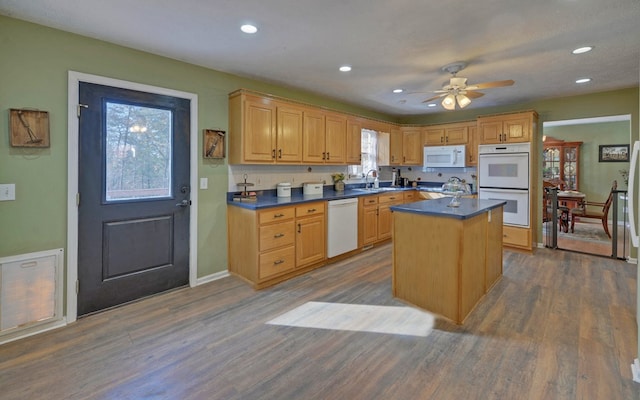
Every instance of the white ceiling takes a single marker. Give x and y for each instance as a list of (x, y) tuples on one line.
[(389, 44)]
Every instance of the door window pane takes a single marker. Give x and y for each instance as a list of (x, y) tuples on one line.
[(138, 152)]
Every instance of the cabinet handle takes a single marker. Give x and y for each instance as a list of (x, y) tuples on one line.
[(441, 139), (278, 235), (446, 139), (299, 228), (328, 156), (311, 210), (273, 153), (280, 153), (278, 215), (404, 159), (276, 262), (392, 198), (324, 155)]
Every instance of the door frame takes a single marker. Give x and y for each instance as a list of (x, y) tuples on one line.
[(74, 79)]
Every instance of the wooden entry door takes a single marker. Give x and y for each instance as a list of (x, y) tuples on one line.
[(133, 213)]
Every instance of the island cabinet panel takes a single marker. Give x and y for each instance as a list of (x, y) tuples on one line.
[(464, 260), (494, 253)]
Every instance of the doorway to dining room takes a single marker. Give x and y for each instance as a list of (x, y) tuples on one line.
[(575, 172)]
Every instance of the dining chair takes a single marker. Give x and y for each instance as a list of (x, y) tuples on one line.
[(595, 210)]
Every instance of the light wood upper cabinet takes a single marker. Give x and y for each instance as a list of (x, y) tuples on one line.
[(313, 137), (263, 130), (472, 146), (324, 138), (447, 134), (354, 141), (289, 134), (336, 139), (395, 146), (507, 128), (412, 146)]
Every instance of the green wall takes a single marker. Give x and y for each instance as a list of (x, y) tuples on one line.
[(595, 177), (33, 74)]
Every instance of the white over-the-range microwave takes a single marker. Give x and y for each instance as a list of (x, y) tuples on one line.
[(445, 156)]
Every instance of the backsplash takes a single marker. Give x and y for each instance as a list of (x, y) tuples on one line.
[(266, 177)]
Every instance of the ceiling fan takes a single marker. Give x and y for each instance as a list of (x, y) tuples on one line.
[(458, 91)]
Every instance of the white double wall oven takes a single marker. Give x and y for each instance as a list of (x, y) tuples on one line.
[(503, 174)]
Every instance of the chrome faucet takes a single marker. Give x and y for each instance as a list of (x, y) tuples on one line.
[(366, 177)]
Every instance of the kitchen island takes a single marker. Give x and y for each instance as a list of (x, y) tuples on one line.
[(446, 258)]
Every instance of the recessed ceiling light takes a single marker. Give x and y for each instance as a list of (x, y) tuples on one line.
[(431, 105), (581, 50), (583, 80), (398, 90), (345, 68), (248, 28)]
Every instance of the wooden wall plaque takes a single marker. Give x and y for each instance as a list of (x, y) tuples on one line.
[(28, 128)]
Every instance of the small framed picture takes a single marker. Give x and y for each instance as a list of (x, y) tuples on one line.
[(29, 128), (213, 143), (613, 153)]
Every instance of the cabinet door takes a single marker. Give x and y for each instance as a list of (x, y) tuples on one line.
[(354, 142), (289, 135), (384, 221), (313, 137), (472, 146), (457, 135), (412, 147), (517, 130), (395, 147), (336, 139), (490, 131), (384, 149), (260, 131), (310, 240), (433, 136), (369, 224)]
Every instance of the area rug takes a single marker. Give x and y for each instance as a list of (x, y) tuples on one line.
[(358, 317), (586, 231)]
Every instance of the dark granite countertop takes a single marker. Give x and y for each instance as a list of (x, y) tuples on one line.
[(268, 198), (438, 207)]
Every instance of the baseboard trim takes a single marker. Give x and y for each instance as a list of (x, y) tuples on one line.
[(212, 277), (33, 330)]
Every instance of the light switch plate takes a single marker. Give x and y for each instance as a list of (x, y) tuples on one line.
[(7, 191), (204, 183)]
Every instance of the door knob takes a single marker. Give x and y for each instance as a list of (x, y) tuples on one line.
[(184, 203)]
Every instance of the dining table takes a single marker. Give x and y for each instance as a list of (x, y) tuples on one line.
[(568, 199)]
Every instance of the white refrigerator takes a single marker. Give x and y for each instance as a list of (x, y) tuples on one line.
[(633, 193)]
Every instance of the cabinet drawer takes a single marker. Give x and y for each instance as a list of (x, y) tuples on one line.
[(410, 196), (277, 235), (309, 209), (516, 236), (277, 214), (277, 261), (391, 198), (370, 200)]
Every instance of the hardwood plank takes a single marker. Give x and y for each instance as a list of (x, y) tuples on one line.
[(558, 325)]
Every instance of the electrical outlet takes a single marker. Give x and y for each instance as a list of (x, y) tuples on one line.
[(7, 191), (204, 183)]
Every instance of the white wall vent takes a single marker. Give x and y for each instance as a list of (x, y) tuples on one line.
[(30, 290)]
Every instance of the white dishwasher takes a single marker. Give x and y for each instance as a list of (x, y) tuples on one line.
[(342, 226)]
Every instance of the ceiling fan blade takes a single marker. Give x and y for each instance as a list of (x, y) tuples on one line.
[(488, 85), (434, 97), (473, 95)]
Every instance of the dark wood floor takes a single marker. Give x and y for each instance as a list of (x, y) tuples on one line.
[(558, 325)]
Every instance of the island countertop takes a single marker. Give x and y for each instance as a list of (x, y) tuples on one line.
[(468, 208)]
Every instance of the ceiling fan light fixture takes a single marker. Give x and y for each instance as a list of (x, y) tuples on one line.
[(449, 102), (463, 100)]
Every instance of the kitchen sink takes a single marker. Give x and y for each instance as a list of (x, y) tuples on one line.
[(378, 190)]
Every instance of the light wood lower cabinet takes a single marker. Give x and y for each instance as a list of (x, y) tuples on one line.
[(272, 245), (517, 237), (310, 234), (375, 222)]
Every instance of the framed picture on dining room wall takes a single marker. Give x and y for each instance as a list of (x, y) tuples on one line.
[(613, 153)]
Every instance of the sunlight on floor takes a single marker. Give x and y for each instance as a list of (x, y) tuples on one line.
[(358, 317)]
